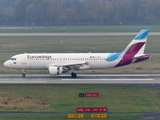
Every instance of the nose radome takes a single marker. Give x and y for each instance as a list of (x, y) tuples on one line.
[(6, 64)]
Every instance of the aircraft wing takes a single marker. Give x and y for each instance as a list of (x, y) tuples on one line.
[(72, 66), (76, 66), (76, 63)]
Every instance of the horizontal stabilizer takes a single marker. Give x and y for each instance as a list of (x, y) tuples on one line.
[(141, 58)]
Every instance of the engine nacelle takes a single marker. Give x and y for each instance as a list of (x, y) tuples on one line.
[(55, 70)]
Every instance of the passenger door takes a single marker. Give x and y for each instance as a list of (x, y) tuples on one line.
[(23, 59)]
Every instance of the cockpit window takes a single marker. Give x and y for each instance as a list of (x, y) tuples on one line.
[(13, 59)]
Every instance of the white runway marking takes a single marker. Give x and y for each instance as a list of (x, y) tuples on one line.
[(109, 79), (22, 81), (117, 75), (75, 34)]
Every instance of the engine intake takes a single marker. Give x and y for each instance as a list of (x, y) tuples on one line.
[(55, 70)]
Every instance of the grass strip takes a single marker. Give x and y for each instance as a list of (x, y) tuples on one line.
[(65, 98)]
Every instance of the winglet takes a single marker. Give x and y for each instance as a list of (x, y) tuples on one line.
[(142, 34)]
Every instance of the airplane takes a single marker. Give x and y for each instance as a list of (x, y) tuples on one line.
[(58, 63)]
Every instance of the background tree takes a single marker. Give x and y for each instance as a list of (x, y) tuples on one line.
[(79, 12), (56, 11), (20, 10), (37, 11)]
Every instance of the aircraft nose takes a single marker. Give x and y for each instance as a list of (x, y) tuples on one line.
[(6, 64)]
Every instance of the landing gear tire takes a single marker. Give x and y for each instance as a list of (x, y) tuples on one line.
[(23, 75), (74, 75)]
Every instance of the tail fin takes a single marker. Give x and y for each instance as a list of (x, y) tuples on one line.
[(137, 45), (134, 52)]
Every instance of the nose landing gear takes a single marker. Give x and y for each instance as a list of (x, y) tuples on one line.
[(24, 73)]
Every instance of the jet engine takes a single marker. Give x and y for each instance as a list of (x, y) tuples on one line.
[(55, 70)]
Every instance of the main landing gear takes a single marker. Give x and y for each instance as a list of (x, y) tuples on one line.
[(74, 75), (24, 73)]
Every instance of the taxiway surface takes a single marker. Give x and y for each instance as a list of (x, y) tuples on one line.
[(75, 34), (81, 79)]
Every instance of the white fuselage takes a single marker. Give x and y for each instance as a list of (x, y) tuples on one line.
[(43, 61)]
